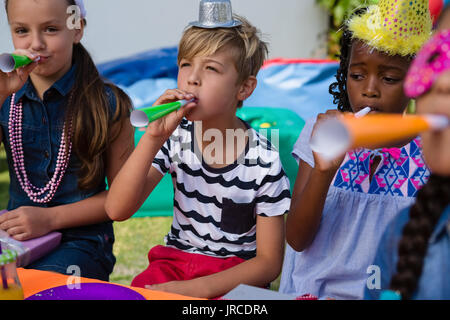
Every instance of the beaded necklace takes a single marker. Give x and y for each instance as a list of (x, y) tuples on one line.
[(35, 194)]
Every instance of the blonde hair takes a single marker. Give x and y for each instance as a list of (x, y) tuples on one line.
[(249, 50)]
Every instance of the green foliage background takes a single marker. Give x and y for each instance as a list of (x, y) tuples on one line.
[(338, 11)]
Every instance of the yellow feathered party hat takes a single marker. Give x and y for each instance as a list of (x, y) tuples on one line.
[(396, 27)]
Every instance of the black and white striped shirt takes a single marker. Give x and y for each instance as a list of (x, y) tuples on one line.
[(215, 209)]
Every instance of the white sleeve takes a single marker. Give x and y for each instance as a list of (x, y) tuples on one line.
[(302, 150)]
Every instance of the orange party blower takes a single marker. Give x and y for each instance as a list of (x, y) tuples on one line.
[(335, 136)]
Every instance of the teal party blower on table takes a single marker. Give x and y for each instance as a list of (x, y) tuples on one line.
[(143, 116), (10, 62)]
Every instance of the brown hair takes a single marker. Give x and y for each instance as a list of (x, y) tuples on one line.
[(92, 121), (89, 110), (249, 50)]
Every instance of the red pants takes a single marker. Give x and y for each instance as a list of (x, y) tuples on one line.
[(169, 264)]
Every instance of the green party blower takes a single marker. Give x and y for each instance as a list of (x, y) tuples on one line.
[(143, 116), (10, 62)]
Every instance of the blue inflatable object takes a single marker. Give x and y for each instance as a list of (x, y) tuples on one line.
[(154, 64), (297, 85), (288, 92)]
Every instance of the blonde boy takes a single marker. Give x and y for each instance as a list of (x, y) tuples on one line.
[(228, 225)]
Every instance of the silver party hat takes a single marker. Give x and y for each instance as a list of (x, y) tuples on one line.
[(215, 14)]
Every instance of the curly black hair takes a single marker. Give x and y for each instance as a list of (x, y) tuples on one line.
[(431, 201), (338, 89)]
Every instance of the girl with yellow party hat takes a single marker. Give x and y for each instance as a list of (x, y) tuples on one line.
[(340, 209)]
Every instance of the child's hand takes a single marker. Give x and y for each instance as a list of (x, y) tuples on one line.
[(320, 163), (163, 128), (13, 81), (25, 223), (185, 288)]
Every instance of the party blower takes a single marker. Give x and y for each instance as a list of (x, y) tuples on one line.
[(10, 62), (142, 117), (335, 136)]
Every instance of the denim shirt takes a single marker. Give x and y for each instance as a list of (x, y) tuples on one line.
[(42, 126), (434, 282)]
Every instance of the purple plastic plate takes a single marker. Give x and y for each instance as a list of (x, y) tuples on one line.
[(88, 291)]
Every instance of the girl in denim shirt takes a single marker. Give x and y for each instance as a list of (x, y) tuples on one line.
[(64, 130), (414, 254)]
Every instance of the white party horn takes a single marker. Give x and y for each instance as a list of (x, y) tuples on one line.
[(363, 112)]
